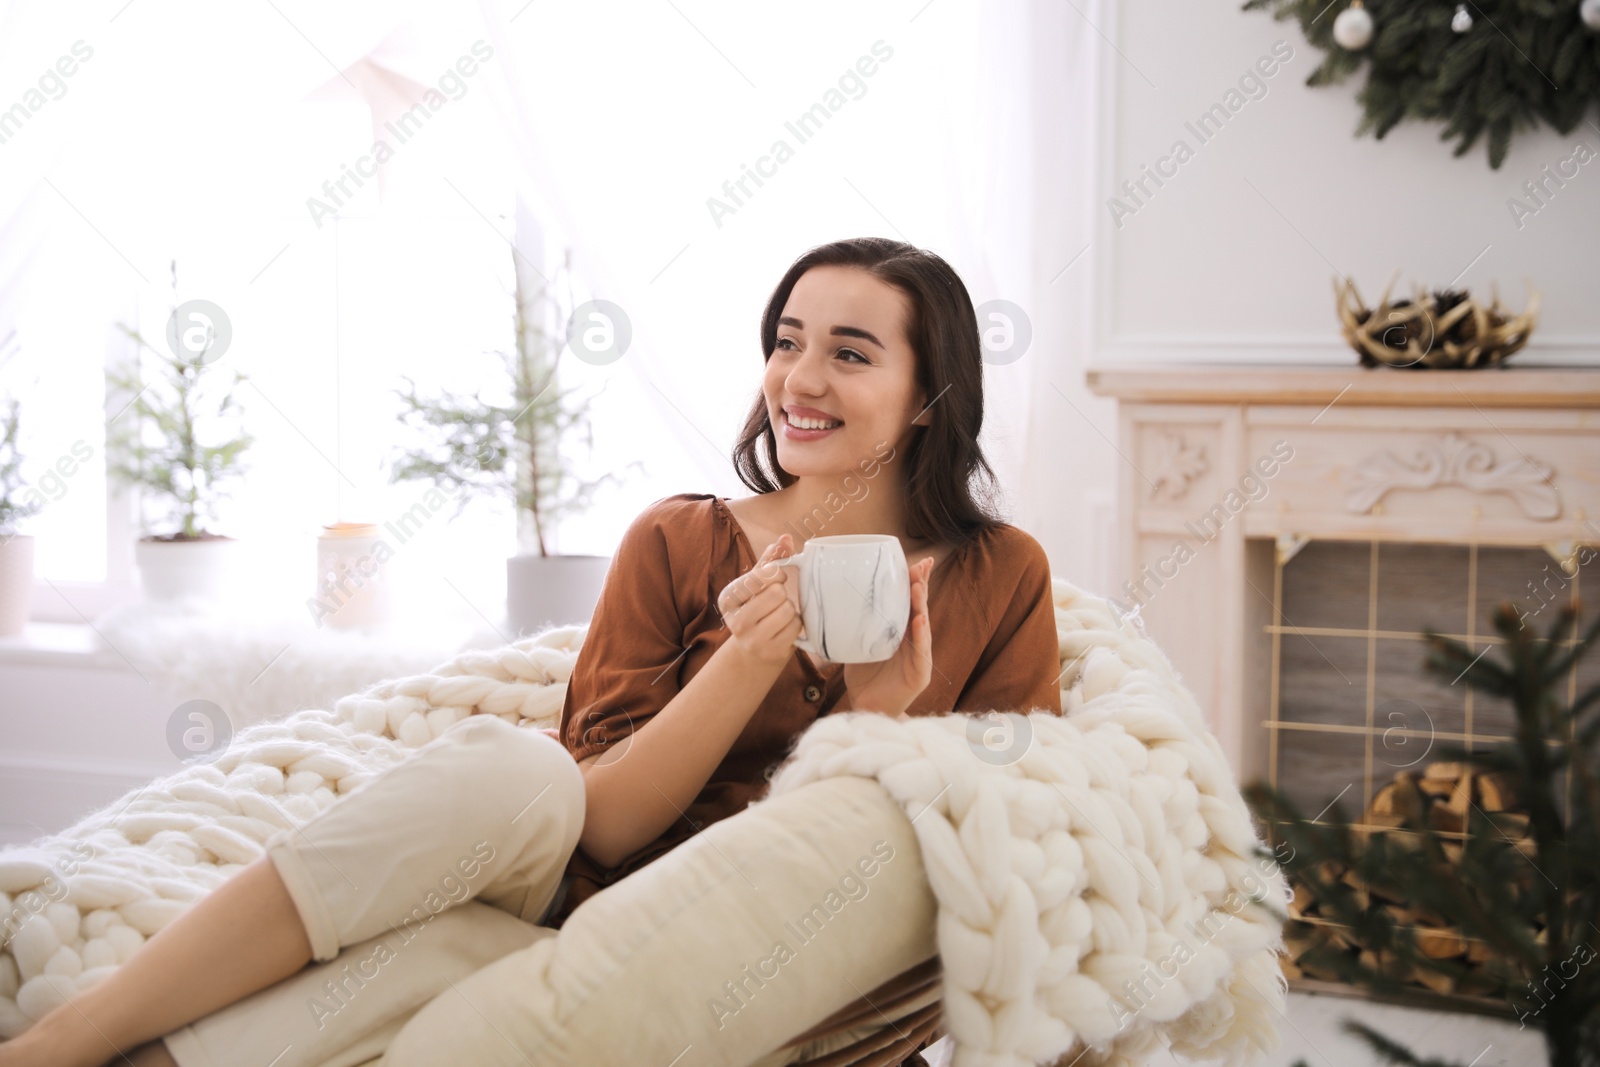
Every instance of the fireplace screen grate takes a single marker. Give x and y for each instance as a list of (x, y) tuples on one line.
[(1351, 703)]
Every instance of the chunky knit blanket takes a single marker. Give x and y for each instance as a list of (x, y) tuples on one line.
[(1096, 873), (76, 904)]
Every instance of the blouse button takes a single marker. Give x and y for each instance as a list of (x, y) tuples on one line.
[(813, 694)]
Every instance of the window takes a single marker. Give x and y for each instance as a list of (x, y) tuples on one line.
[(413, 279)]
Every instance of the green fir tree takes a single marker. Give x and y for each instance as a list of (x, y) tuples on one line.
[(512, 450), (177, 437), (1535, 909), (15, 506)]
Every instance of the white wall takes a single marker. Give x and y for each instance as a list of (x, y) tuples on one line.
[(79, 730), (1232, 259)]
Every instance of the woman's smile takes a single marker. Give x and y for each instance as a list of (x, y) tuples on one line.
[(808, 429)]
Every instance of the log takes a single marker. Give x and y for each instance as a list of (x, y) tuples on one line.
[(1495, 793), (1440, 944), (1447, 792), (1439, 983)]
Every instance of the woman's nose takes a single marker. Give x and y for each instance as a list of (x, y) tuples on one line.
[(805, 377)]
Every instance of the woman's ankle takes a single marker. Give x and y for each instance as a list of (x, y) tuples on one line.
[(66, 1037)]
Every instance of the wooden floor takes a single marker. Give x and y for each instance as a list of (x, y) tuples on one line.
[(1311, 1033)]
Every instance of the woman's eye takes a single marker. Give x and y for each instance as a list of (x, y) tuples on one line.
[(789, 341)]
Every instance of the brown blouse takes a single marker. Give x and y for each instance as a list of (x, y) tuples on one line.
[(995, 646)]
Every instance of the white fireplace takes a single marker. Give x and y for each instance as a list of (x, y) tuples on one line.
[(1288, 533)]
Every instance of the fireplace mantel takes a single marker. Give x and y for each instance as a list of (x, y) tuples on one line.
[(1225, 471), (1507, 386)]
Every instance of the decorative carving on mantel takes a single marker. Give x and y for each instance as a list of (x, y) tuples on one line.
[(1174, 465), (1454, 460)]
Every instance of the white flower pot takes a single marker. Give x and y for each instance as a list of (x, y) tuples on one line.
[(185, 570), (544, 591), (16, 584)]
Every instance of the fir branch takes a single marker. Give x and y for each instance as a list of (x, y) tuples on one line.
[(1521, 64), (1539, 913), (12, 510)]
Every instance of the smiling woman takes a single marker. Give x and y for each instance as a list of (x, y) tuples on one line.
[(879, 337), (689, 685)]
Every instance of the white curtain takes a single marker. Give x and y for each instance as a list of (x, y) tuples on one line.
[(621, 146), (621, 122)]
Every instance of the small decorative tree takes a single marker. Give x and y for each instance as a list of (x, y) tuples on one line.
[(157, 441), (510, 450), (12, 509), (1537, 913)]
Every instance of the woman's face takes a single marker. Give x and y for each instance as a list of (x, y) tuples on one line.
[(842, 357)]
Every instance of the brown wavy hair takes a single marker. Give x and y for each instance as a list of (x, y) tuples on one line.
[(943, 463)]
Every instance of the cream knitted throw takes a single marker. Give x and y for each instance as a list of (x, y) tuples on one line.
[(1096, 872), (76, 904), (1098, 886)]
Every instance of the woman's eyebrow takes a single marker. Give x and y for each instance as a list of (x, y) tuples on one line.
[(841, 331)]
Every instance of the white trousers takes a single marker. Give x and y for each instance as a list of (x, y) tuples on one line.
[(421, 876), (423, 889)]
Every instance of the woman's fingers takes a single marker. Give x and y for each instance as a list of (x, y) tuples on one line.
[(753, 611), (765, 569), (763, 574), (780, 623), (767, 622), (739, 591)]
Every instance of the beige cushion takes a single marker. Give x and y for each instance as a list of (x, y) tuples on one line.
[(808, 899)]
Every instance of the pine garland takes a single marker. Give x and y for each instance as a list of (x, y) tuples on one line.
[(1521, 63)]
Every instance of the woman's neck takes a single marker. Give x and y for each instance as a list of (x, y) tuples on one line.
[(819, 506)]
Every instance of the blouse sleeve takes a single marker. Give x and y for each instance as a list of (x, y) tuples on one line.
[(1020, 668), (626, 668)]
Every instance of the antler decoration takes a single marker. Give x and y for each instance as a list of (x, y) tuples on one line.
[(1447, 329)]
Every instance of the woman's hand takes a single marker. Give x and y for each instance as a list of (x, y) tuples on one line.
[(890, 685), (758, 609)]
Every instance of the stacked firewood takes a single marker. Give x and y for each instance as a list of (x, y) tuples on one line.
[(1449, 789)]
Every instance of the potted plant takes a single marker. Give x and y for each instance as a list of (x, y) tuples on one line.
[(16, 550), (512, 450), (178, 441)]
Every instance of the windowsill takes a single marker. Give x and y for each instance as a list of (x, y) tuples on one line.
[(59, 644), (91, 647)]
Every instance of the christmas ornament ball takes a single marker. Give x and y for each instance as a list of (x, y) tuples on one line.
[(1353, 28)]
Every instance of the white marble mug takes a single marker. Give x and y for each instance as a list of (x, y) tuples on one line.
[(855, 596)]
